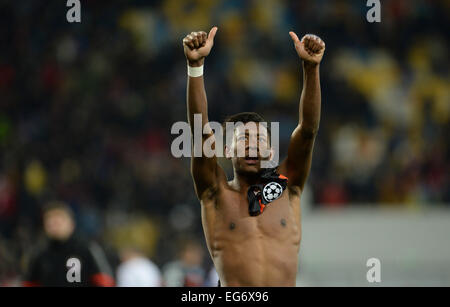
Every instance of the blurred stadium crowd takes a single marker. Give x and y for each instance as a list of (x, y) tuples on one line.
[(86, 110)]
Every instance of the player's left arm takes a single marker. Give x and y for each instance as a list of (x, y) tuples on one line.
[(298, 163)]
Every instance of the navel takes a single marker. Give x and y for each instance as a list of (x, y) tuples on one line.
[(283, 222)]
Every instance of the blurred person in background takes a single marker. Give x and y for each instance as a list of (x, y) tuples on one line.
[(8, 267), (188, 270), (49, 265), (136, 270), (213, 278)]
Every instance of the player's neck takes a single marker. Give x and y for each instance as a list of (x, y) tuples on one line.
[(243, 182)]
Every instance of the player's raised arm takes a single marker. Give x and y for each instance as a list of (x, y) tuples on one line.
[(298, 163), (197, 46)]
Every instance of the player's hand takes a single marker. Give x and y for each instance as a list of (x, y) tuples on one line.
[(197, 46), (310, 49)]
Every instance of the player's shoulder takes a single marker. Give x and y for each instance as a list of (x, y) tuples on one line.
[(221, 187), (293, 190)]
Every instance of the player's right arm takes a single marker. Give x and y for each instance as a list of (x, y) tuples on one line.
[(205, 171)]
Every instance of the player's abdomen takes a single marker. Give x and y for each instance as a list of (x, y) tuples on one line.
[(257, 262)]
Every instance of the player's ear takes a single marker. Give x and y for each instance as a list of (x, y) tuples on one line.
[(272, 152), (228, 154)]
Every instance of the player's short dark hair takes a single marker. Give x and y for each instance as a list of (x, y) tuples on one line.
[(246, 117)]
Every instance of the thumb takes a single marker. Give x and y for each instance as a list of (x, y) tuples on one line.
[(294, 37), (212, 33)]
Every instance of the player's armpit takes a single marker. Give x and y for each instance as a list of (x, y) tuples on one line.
[(298, 162), (207, 175)]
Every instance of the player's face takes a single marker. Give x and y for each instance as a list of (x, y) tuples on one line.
[(250, 146), (58, 224)]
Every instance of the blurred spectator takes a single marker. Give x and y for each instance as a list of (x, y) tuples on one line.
[(49, 266), (137, 271), (187, 271), (212, 279)]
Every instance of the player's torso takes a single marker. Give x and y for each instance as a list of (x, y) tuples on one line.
[(253, 250)]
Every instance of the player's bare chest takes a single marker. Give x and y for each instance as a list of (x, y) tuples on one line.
[(232, 215)]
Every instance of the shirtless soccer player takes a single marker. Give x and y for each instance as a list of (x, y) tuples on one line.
[(252, 224)]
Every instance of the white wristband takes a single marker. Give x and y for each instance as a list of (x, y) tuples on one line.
[(195, 71)]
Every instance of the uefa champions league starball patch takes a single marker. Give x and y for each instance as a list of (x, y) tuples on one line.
[(262, 194), (272, 191)]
